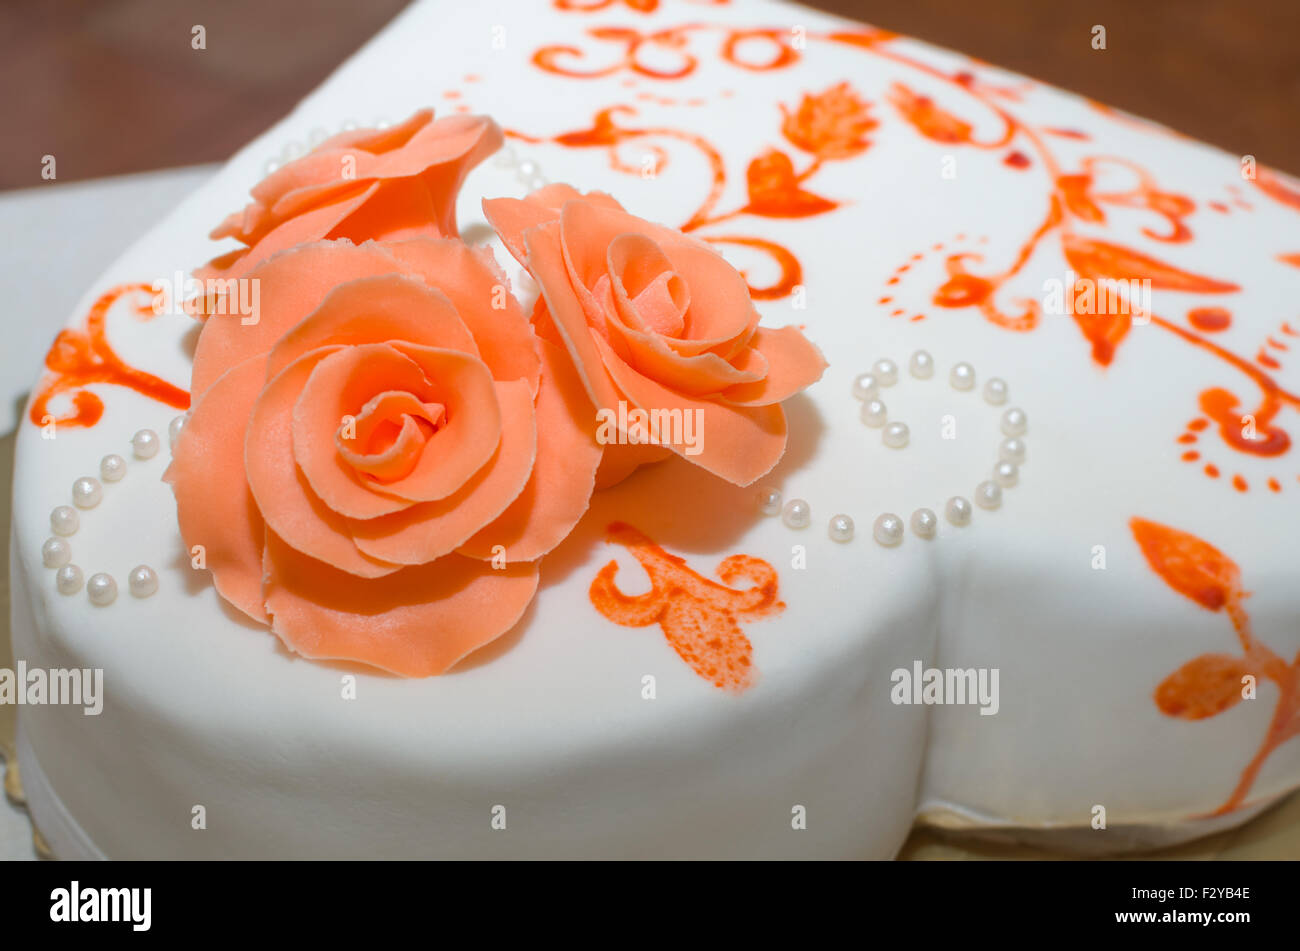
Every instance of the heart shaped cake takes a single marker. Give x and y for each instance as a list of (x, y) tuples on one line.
[(670, 430)]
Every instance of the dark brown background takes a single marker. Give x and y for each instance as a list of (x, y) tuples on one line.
[(112, 86)]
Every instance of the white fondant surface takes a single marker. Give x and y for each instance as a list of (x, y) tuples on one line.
[(204, 709)]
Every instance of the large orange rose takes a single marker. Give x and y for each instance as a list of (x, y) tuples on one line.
[(382, 184), (658, 321), (363, 466)]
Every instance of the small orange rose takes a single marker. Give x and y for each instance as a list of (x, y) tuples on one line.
[(363, 467), (832, 124), (658, 322), (381, 184)]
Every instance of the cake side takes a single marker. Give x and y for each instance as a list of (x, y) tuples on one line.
[(553, 722)]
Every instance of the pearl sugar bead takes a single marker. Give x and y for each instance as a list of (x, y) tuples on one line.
[(895, 435), (101, 589), (995, 391), (112, 467), (145, 444), (874, 413), (1006, 474), (87, 493), (1015, 422), (797, 513), (886, 372), (56, 552), (174, 430), (921, 365), (142, 581), (769, 501), (924, 523), (67, 580), (841, 528), (988, 495), (1012, 450), (888, 529), (958, 510), (865, 386), (962, 377), (64, 520)]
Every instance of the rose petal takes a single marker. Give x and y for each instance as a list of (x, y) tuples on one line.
[(214, 506), (721, 313), (397, 208), (289, 287), (277, 235), (345, 381), (460, 141), (648, 295), (307, 182), (380, 140), (375, 310), (416, 623), (429, 530), (700, 375), (560, 486), (722, 316), (511, 217), (476, 285), (793, 363), (622, 459), (546, 263), (415, 421), (406, 187), (291, 509), (737, 443)]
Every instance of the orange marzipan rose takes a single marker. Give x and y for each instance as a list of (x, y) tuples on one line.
[(658, 321), (362, 465), (381, 184)]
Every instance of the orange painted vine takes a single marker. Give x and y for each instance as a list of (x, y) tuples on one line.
[(80, 357), (833, 125), (838, 123), (1210, 684)]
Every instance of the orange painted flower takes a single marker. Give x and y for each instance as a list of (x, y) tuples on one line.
[(382, 184), (658, 323), (363, 469), (774, 190), (832, 124)]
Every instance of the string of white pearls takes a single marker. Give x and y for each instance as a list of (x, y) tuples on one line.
[(888, 528), (87, 493), (874, 413)]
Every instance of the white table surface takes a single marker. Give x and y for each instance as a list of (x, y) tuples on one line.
[(58, 239)]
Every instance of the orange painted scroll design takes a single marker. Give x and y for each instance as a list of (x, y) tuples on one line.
[(701, 619)]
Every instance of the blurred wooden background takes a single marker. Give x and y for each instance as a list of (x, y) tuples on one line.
[(112, 86)]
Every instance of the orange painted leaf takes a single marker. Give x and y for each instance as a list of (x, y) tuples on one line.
[(1100, 260), (1074, 191), (1188, 565), (930, 120), (1277, 188), (1104, 331), (1203, 687), (774, 190)]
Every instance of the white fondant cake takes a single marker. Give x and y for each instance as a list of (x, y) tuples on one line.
[(889, 198)]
